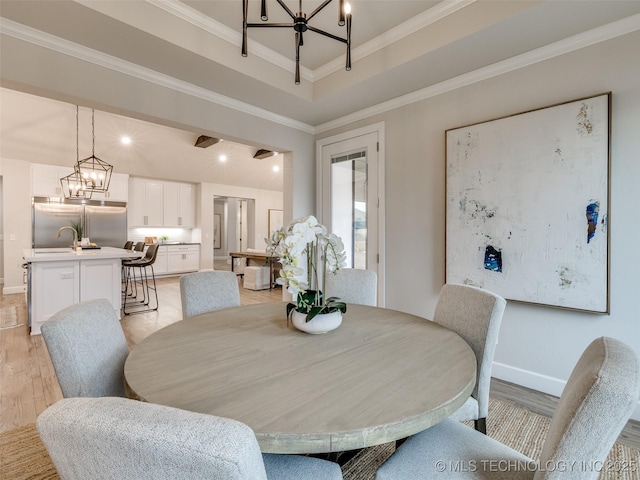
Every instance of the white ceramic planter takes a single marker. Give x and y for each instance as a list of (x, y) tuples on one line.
[(322, 323)]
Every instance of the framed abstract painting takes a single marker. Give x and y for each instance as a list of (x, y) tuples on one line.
[(527, 205)]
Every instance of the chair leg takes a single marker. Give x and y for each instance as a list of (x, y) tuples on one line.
[(481, 425), (143, 305)]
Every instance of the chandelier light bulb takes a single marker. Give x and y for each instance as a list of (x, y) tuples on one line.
[(347, 8)]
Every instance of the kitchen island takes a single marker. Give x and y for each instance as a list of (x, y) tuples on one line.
[(59, 277)]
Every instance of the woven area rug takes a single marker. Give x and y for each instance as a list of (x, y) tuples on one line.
[(23, 456)]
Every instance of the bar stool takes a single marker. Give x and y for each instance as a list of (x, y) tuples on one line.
[(126, 271), (131, 304)]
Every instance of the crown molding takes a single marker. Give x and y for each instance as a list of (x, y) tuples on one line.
[(570, 44), (576, 42), (415, 24), (65, 47), (213, 27)]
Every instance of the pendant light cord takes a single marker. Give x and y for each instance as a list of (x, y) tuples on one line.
[(93, 132), (77, 137)]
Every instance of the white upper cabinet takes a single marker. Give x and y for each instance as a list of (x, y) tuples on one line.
[(45, 179), (118, 189), (145, 207), (179, 205), (154, 203)]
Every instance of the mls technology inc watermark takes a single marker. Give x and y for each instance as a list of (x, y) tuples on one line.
[(534, 466)]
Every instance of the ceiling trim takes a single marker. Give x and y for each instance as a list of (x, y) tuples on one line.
[(65, 47), (570, 44), (576, 42), (213, 27), (220, 30), (393, 35)]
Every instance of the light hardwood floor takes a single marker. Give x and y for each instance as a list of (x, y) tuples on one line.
[(28, 383)]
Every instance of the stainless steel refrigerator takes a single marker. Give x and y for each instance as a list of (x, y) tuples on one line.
[(105, 223)]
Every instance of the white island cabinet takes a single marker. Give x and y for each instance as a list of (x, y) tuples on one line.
[(59, 277)]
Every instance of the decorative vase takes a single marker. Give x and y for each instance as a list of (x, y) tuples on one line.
[(322, 323)]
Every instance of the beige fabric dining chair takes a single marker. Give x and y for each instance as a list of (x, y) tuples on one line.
[(203, 292), (107, 438), (600, 395), (88, 349), (475, 314), (353, 285)]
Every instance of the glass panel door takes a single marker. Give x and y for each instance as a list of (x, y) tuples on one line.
[(349, 205), (350, 191)]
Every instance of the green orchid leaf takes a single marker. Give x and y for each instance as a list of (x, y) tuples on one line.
[(314, 311)]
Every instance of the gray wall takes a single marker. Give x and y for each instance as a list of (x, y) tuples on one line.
[(538, 345)]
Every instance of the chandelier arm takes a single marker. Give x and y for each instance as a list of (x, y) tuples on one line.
[(348, 64), (245, 7), (270, 25), (341, 13), (283, 5), (327, 34), (263, 11), (298, 42), (324, 4)]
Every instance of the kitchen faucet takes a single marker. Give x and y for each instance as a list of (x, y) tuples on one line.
[(75, 234)]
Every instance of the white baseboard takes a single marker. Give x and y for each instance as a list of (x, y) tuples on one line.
[(535, 381), (12, 290)]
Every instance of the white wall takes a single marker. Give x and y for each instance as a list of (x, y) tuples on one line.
[(16, 198), (538, 345)]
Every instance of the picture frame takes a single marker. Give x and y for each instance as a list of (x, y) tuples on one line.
[(527, 205), (217, 236), (275, 220)]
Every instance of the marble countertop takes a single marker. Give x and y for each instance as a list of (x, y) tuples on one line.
[(33, 255)]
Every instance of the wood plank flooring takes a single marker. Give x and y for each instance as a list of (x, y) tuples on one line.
[(28, 384)]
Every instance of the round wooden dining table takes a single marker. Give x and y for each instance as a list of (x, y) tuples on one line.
[(381, 376)]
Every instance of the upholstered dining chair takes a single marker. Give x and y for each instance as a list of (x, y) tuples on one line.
[(203, 292), (88, 349), (598, 399), (106, 438), (353, 285), (475, 314)]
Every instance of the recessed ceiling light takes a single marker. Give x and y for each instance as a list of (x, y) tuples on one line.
[(126, 140), (223, 158), (276, 168)]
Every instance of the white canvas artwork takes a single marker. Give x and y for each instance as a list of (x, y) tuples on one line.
[(527, 205)]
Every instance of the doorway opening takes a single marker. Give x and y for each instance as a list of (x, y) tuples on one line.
[(234, 220)]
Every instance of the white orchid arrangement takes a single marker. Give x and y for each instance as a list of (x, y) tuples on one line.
[(308, 253)]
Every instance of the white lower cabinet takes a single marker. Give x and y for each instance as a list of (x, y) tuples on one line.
[(183, 258), (99, 279), (160, 265), (176, 259), (56, 285)]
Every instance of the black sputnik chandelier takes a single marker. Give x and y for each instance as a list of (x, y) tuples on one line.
[(300, 25)]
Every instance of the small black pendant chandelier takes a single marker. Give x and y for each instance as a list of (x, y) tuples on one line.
[(300, 25)]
